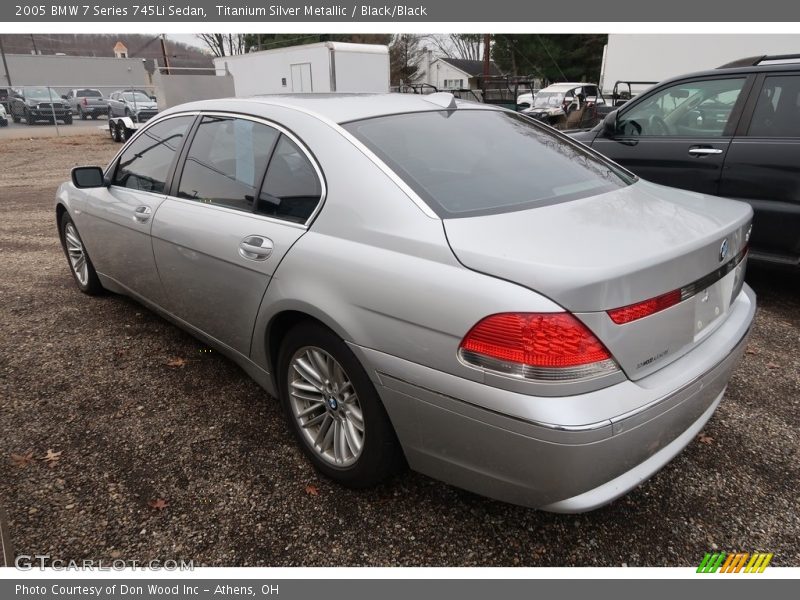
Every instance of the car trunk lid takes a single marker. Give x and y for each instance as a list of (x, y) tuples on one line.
[(617, 249)]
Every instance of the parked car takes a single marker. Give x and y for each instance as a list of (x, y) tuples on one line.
[(4, 98), (3, 116), (419, 279), (732, 131), (565, 105), (132, 103), (86, 102), (38, 103)]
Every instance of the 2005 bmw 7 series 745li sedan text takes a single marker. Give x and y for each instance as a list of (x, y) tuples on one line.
[(429, 282)]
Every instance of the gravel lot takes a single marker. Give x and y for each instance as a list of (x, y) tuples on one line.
[(90, 380)]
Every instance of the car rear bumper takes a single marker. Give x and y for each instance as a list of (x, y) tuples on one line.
[(454, 430)]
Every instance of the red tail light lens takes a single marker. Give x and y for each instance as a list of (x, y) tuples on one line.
[(542, 346), (85, 102), (629, 313)]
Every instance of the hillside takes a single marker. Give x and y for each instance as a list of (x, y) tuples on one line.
[(139, 46)]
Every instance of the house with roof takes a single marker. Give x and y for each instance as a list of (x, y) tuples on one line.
[(453, 73)]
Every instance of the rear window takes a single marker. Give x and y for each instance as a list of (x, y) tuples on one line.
[(89, 94), (473, 162)]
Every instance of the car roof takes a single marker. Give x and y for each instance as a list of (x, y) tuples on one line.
[(726, 70), (344, 107)]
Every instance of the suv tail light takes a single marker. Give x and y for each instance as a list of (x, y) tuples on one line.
[(85, 102), (536, 346)]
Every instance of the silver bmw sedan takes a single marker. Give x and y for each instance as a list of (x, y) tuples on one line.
[(422, 281)]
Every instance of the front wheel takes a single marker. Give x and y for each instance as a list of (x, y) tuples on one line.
[(68, 120), (334, 410), (79, 262)]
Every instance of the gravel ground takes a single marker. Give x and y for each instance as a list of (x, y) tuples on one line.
[(89, 381)]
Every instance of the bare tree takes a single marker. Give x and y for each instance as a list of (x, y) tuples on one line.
[(224, 44), (457, 45), (405, 57)]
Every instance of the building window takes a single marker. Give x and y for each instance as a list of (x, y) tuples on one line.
[(453, 84)]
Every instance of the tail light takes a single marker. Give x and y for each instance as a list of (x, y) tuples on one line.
[(536, 346), (632, 312), (85, 102)]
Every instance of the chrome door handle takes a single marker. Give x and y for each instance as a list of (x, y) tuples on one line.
[(255, 247), (142, 214), (704, 151)]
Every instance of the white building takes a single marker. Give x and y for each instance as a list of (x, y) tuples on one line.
[(452, 73)]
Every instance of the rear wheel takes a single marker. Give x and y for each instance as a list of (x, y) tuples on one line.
[(122, 132), (333, 408), (79, 262), (81, 114), (28, 119), (115, 131), (94, 116), (68, 120)]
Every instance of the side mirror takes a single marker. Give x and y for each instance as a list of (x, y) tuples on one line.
[(153, 98), (88, 177), (610, 125)]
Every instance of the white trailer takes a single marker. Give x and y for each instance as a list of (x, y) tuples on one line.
[(655, 57), (322, 67)]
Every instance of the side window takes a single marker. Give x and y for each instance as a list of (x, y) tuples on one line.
[(145, 162), (695, 108), (291, 188), (777, 112), (226, 162)]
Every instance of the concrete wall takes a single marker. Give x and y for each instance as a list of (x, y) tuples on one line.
[(64, 72), (177, 88)]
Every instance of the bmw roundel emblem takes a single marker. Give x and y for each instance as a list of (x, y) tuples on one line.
[(723, 250)]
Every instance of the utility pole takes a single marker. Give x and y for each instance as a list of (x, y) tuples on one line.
[(5, 64), (164, 53), (33, 41), (487, 40)]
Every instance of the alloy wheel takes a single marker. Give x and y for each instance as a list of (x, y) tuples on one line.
[(326, 407), (76, 253)]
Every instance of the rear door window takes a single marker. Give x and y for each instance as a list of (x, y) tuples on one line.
[(226, 162), (777, 112), (291, 188)]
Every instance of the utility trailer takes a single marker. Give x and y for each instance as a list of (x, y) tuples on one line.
[(122, 128), (323, 67)]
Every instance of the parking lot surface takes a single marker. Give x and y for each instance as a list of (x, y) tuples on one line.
[(37, 130), (124, 438)]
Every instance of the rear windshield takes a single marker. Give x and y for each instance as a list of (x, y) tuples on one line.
[(89, 94), (473, 162)]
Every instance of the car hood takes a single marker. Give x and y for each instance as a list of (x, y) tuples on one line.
[(604, 251)]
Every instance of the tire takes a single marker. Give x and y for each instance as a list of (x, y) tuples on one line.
[(81, 114), (68, 120), (82, 272), (379, 454), (27, 116), (94, 116), (115, 131), (15, 118), (123, 132)]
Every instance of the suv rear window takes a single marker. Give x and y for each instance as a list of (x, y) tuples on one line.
[(472, 162)]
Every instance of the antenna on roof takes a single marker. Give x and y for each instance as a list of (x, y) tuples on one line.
[(444, 99)]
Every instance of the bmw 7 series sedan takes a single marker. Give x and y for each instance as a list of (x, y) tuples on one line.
[(428, 282)]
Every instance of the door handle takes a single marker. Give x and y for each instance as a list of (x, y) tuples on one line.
[(699, 151), (142, 214), (255, 247)]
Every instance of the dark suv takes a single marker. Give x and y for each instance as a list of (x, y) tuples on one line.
[(733, 131)]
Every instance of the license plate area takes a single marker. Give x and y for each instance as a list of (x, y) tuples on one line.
[(713, 302)]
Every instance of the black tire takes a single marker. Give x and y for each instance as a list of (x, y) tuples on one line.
[(68, 120), (94, 116), (124, 134), (115, 132), (81, 114), (381, 455), (27, 116), (92, 286)]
